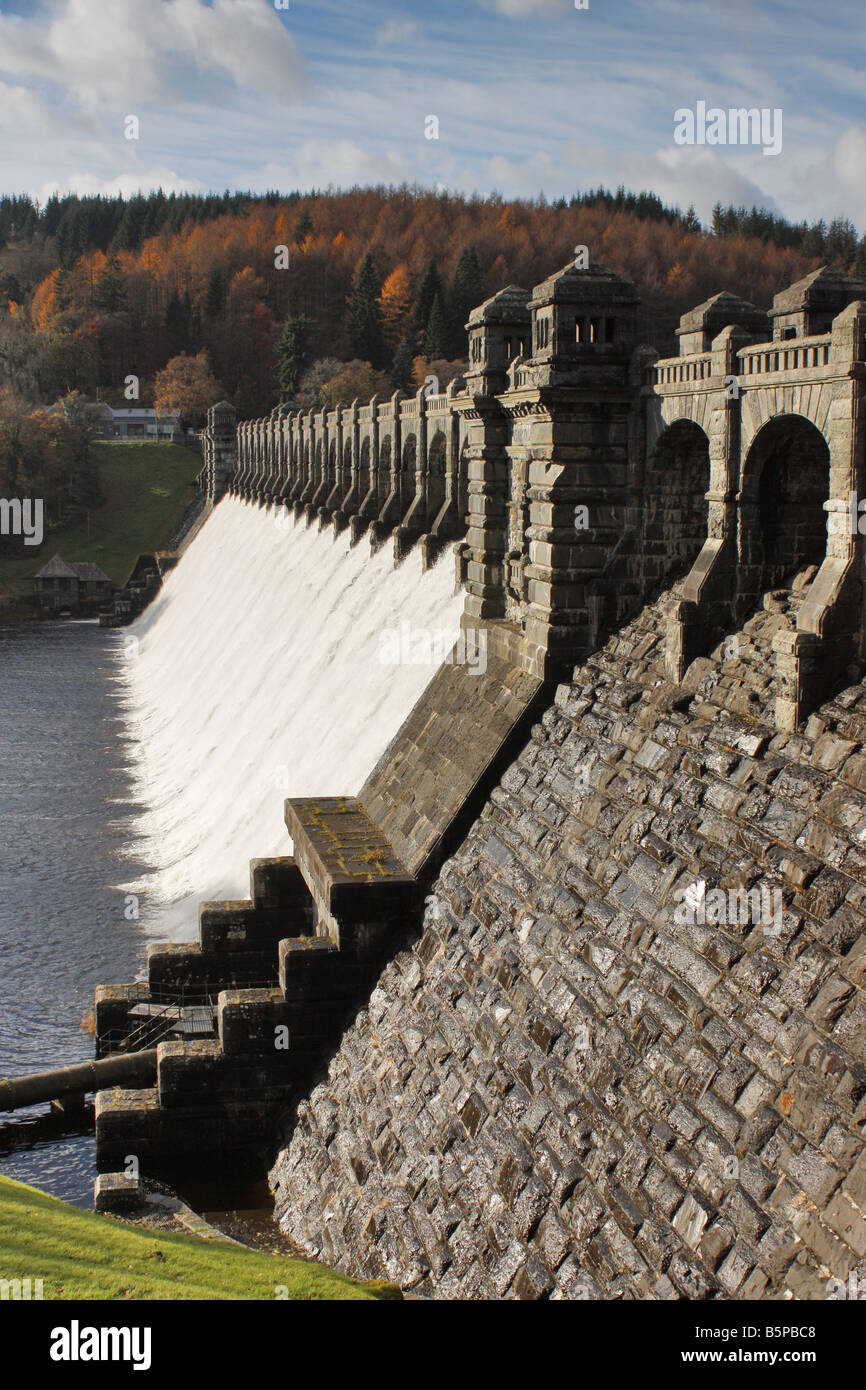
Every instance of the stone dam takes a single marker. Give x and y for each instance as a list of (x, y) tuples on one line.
[(567, 1001)]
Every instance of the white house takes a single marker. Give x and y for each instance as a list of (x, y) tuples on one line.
[(139, 422)]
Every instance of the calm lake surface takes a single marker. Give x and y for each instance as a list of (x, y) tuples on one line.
[(66, 840)]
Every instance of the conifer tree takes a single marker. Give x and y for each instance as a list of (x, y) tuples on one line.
[(215, 297), (691, 221), (110, 292), (467, 292), (401, 369), (177, 316), (436, 337), (365, 319), (292, 354), (303, 227), (431, 285)]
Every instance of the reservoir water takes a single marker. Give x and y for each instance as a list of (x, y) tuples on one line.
[(67, 839), (142, 768)]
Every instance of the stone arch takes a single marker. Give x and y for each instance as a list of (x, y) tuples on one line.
[(673, 514), (760, 407), (785, 483), (696, 407)]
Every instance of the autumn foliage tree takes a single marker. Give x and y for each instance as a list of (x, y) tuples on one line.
[(187, 384), (45, 454), (357, 379), (395, 305)]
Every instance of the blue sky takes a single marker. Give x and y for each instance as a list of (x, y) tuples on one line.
[(531, 96)]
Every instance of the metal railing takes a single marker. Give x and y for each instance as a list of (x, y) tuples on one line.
[(171, 1002)]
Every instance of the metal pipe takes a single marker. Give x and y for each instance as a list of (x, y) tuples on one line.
[(135, 1069)]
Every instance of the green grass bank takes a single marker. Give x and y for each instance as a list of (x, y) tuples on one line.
[(82, 1255), (146, 488)]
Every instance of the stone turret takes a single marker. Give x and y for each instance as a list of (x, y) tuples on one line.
[(499, 331), (809, 306), (702, 324), (580, 319), (220, 449)]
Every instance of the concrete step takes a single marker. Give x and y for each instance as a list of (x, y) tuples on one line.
[(186, 966), (349, 866)]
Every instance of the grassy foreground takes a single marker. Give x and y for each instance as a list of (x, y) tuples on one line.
[(146, 487), (82, 1255)]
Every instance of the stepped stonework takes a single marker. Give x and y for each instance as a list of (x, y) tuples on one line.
[(567, 1000)]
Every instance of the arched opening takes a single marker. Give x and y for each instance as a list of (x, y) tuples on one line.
[(364, 470), (674, 513), (436, 459), (790, 471), (786, 481), (383, 472), (408, 464)]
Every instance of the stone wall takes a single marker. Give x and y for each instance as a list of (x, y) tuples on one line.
[(562, 1089)]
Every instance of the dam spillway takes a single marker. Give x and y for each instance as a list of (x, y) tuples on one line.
[(263, 669)]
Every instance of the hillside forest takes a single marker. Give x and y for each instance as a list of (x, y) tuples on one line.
[(177, 300)]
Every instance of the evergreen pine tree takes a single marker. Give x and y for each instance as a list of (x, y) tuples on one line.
[(813, 240), (691, 221), (109, 292), (292, 354), (215, 296), (436, 337), (401, 369), (303, 227), (177, 324), (431, 285), (467, 292), (860, 259), (365, 319)]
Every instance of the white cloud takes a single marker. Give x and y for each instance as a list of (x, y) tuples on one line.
[(397, 31), (343, 163), (164, 50), (686, 175), (837, 185)]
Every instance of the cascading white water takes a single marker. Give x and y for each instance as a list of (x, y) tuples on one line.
[(261, 671)]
